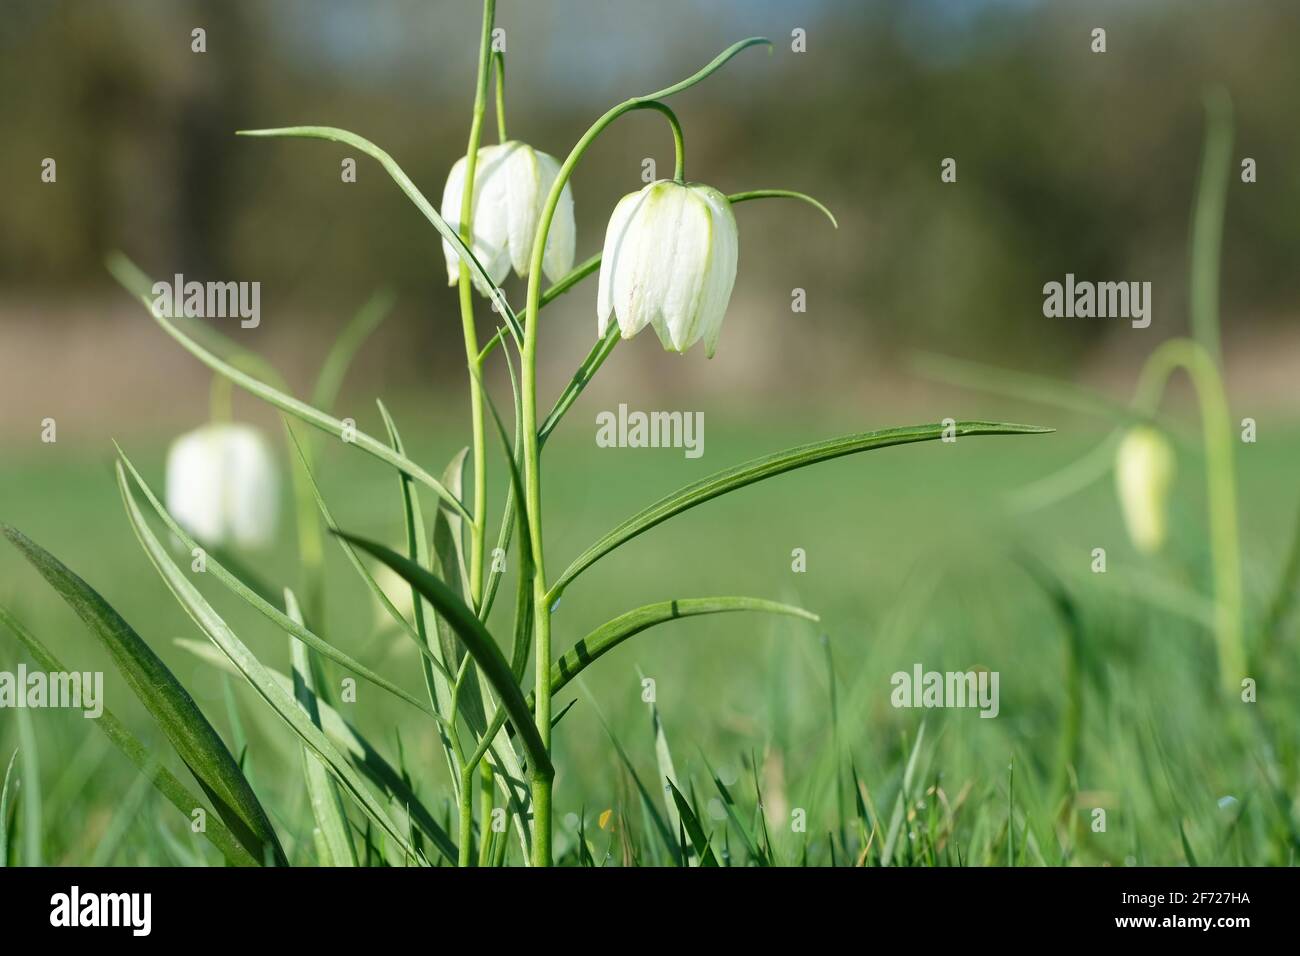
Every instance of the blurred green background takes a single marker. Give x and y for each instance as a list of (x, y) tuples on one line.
[(1068, 161)]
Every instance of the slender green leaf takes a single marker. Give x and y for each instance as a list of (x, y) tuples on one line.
[(761, 468), (352, 557), (168, 785), (4, 810), (259, 604), (477, 641), (693, 828), (664, 761), (613, 633), (333, 834), (346, 346), (438, 680), (194, 739), (900, 804), (361, 754), (134, 281), (124, 815), (33, 807), (282, 703), (647, 800), (404, 183)]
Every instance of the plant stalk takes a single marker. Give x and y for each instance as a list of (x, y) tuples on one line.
[(1220, 486), (477, 527)]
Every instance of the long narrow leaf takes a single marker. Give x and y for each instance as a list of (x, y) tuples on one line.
[(477, 641), (361, 754), (613, 633), (259, 604), (346, 346), (194, 739), (333, 835), (137, 283), (250, 667), (168, 785), (404, 183), (768, 467)]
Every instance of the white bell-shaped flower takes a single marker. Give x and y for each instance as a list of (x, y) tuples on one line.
[(511, 183), (669, 262), (1144, 472), (223, 485)]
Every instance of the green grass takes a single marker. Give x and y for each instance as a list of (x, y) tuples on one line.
[(912, 557)]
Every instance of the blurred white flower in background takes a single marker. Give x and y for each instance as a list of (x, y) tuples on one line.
[(1144, 472), (223, 485)]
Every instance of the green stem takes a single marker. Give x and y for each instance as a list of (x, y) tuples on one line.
[(542, 778), (541, 781), (1207, 221), (679, 141), (221, 400), (499, 61), (1221, 488), (478, 527), (486, 806)]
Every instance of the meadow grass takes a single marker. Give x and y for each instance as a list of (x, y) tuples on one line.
[(1117, 710)]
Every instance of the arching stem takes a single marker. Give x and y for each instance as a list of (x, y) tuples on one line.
[(541, 778), (1220, 487)]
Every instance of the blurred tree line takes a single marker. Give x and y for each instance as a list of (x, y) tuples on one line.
[(1067, 160)]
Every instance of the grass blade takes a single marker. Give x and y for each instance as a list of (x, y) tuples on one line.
[(693, 829), (259, 604), (614, 632), (4, 810), (768, 467), (900, 804), (334, 134), (251, 669), (664, 762), (137, 283), (333, 835), (476, 639), (361, 754), (168, 785), (345, 347), (189, 732), (33, 806), (444, 657)]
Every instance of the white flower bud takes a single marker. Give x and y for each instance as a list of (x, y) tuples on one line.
[(222, 485), (1144, 472), (511, 183), (669, 262)]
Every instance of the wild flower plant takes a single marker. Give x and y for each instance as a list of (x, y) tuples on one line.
[(669, 261)]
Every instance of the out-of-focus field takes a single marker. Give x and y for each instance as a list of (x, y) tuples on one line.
[(911, 558)]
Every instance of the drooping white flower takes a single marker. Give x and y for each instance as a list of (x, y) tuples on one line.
[(669, 262), (1144, 471), (223, 486), (398, 591), (511, 183)]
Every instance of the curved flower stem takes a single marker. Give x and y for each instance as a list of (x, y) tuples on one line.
[(478, 527), (499, 64), (541, 779), (679, 141), (1207, 220), (1220, 486), (221, 400)]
